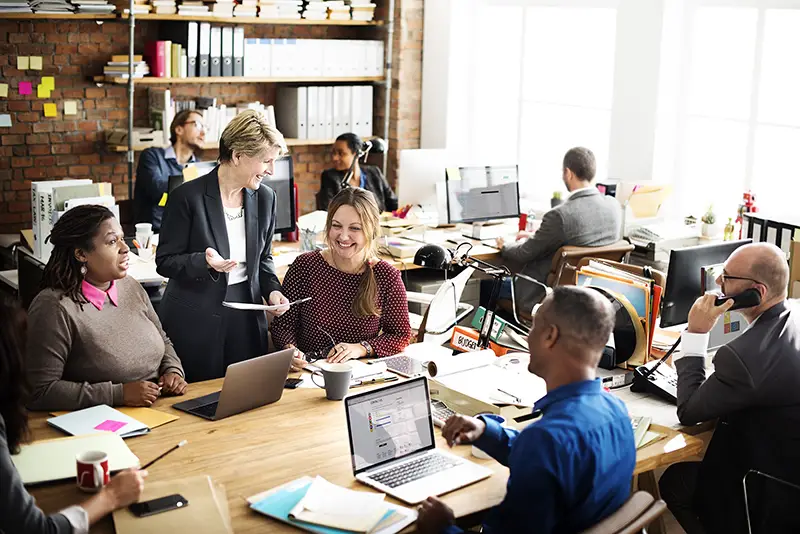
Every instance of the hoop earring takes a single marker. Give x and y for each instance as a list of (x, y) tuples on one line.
[(83, 270)]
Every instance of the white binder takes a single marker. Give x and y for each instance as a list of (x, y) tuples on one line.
[(312, 109), (290, 112), (227, 51), (342, 97), (204, 53), (238, 51), (215, 69)]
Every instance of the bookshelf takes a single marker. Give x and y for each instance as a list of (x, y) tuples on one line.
[(255, 20), (215, 146), (151, 80), (57, 16)]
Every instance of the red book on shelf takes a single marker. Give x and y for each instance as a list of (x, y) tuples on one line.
[(155, 53)]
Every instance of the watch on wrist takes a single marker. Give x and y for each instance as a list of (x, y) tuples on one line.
[(367, 347)]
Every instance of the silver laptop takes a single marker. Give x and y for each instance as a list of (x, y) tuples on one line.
[(392, 445), (247, 385)]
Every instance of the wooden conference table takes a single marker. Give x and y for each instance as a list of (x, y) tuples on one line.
[(302, 434)]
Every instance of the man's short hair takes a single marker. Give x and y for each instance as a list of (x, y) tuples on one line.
[(581, 314), (180, 119), (581, 161)]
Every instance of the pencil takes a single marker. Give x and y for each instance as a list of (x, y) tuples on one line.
[(176, 447)]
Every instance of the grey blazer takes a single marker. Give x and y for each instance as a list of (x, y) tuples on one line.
[(587, 219)]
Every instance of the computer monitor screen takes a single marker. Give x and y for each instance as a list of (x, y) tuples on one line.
[(482, 193), (684, 279)]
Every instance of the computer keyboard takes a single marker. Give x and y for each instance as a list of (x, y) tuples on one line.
[(207, 409), (403, 365), (414, 470), (440, 413)]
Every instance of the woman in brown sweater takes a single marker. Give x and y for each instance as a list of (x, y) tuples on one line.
[(94, 337)]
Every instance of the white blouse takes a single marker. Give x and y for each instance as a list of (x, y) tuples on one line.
[(234, 221)]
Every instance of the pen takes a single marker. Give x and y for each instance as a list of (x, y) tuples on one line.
[(136, 244), (509, 394), (377, 380), (176, 447)]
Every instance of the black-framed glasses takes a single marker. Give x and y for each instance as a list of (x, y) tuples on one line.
[(315, 355), (724, 277)]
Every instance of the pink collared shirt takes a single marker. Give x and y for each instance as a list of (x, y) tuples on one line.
[(97, 297)]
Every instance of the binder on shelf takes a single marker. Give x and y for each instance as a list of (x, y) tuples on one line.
[(290, 112), (186, 35), (227, 51), (366, 110), (204, 51), (238, 51), (155, 55), (215, 69), (252, 65), (342, 96), (325, 111), (312, 109)]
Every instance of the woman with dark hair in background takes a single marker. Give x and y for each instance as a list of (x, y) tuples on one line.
[(18, 511), (347, 147), (95, 337)]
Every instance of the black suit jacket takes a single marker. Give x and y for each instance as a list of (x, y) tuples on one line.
[(191, 308), (755, 393), (331, 184)]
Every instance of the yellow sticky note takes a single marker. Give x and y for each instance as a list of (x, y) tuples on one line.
[(453, 174), (23, 62), (49, 82), (42, 91), (70, 107), (50, 110), (190, 173), (163, 201), (3, 90), (36, 62)]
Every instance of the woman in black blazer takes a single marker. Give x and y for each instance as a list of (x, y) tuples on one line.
[(345, 149), (216, 245)]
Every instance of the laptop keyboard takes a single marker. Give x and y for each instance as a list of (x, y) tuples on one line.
[(414, 470), (207, 409)]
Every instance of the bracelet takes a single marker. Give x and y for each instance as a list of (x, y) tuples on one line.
[(368, 347)]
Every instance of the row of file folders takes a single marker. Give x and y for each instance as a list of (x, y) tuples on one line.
[(224, 51), (324, 112)]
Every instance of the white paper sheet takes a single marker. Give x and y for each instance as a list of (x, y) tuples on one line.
[(260, 307)]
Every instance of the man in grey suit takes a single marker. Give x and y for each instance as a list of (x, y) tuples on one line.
[(755, 393), (587, 219)]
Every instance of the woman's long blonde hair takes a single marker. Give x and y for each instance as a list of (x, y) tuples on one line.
[(367, 208)]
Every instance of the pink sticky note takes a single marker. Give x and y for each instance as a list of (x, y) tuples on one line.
[(110, 425), (25, 88)]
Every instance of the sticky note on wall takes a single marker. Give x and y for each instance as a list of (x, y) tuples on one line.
[(5, 121), (25, 88), (42, 91), (49, 82), (23, 62), (49, 110), (3, 90), (36, 62), (70, 107)]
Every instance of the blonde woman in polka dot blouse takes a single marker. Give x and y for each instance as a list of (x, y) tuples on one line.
[(358, 305)]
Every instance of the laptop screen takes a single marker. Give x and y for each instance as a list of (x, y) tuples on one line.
[(389, 423)]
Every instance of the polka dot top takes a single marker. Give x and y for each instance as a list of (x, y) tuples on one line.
[(332, 295)]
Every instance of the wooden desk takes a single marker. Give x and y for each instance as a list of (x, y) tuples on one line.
[(302, 434)]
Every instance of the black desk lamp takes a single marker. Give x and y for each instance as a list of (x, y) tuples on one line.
[(438, 257), (376, 145)]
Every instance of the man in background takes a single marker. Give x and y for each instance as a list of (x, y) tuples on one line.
[(573, 467), (156, 165), (587, 219)]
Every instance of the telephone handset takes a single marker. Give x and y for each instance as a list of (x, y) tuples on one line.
[(660, 380), (746, 299)]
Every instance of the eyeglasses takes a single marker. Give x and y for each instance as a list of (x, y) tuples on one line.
[(199, 125), (725, 277), (315, 355)]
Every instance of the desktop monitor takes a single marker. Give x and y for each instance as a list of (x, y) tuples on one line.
[(684, 280), (419, 173), (282, 182), (477, 194)]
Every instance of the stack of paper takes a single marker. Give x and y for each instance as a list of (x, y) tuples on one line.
[(189, 8), (247, 8), (222, 8), (207, 511), (280, 9), (15, 6), (316, 505), (362, 10), (94, 6), (315, 10), (338, 10), (55, 6), (100, 418)]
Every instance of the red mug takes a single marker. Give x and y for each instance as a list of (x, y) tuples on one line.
[(93, 471)]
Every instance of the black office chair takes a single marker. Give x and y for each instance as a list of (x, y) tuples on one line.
[(31, 272), (771, 504)]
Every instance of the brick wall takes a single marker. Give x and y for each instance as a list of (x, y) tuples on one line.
[(39, 148)]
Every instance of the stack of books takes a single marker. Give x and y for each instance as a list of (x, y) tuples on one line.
[(338, 10), (164, 7), (247, 8), (54, 6), (280, 9), (140, 7), (222, 8), (362, 10), (190, 8), (118, 67), (93, 6), (15, 6), (315, 10)]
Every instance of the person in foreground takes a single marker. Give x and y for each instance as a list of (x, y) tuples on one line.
[(754, 391), (95, 337), (156, 165), (216, 245), (347, 148), (358, 305), (573, 467), (18, 510), (587, 219)]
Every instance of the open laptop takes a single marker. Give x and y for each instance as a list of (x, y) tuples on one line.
[(392, 445), (247, 385)]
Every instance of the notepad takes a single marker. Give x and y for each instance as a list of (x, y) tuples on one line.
[(100, 418), (148, 416), (278, 502), (54, 459), (333, 506)]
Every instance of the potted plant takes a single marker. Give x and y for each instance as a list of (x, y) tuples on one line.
[(556, 200), (710, 228)]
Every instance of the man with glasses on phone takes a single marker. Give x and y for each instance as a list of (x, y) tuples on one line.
[(156, 165), (754, 391)]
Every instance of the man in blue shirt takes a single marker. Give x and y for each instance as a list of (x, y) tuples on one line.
[(156, 165), (573, 467)]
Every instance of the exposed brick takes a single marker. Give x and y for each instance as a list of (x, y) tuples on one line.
[(19, 105), (95, 92), (38, 150), (13, 139), (79, 170)]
